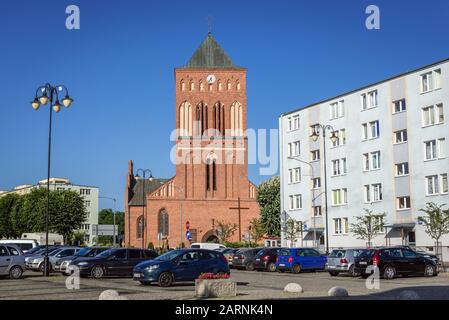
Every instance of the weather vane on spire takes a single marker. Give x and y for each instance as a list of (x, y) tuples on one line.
[(209, 23)]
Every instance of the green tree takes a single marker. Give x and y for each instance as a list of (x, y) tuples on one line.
[(368, 226), (269, 199), (106, 216), (436, 222), (291, 230), (225, 230), (257, 231), (78, 238), (6, 206)]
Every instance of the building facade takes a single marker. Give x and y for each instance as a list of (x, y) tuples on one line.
[(89, 194), (211, 183), (390, 155)]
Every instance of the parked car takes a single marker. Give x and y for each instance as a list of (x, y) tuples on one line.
[(393, 261), (342, 261), (61, 264), (299, 259), (37, 264), (24, 245), (180, 266), (206, 245), (229, 254), (266, 259), (244, 258), (34, 251), (12, 261), (38, 254), (113, 262)]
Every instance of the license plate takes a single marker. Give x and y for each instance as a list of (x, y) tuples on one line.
[(363, 263), (281, 265), (136, 275), (257, 259), (235, 258), (331, 267)]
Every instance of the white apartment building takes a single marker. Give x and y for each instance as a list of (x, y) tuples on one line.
[(88, 193), (391, 155)]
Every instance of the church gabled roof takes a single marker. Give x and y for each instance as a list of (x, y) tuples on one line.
[(210, 55)]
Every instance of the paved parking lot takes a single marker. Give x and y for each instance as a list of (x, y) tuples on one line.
[(251, 285)]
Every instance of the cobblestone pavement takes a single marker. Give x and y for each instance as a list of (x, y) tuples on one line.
[(251, 285)]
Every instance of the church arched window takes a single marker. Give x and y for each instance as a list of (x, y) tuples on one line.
[(220, 85), (238, 85), (236, 119), (185, 119), (163, 223), (183, 85), (229, 85), (192, 85), (201, 85), (211, 172), (139, 227), (218, 114)]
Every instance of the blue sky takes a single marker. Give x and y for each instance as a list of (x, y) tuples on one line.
[(119, 69)]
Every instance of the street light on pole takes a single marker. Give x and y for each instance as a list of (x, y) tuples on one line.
[(43, 95), (318, 130), (113, 215), (143, 172)]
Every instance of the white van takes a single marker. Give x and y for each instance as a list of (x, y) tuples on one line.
[(53, 238), (206, 245), (24, 245)]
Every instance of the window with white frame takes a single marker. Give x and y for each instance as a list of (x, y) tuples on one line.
[(341, 226), (443, 179), (441, 147), (399, 106), (369, 100), (432, 185), (341, 138), (295, 202), (434, 149), (402, 169), (317, 211), (400, 136), (290, 123), (87, 203), (431, 81), (375, 160), (339, 167), (314, 155), (370, 130), (339, 197), (337, 109), (432, 115), (294, 175), (295, 123), (403, 203), (293, 149), (316, 183), (373, 193)]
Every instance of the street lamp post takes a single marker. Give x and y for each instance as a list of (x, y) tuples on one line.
[(49, 94), (317, 130), (144, 221), (113, 215)]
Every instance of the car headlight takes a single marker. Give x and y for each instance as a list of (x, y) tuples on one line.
[(36, 261), (83, 263), (153, 267)]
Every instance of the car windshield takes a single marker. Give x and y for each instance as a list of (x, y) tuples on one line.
[(337, 254), (34, 250), (284, 252), (169, 255), (366, 253), (83, 252), (54, 252)]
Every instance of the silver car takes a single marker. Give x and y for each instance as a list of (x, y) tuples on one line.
[(342, 261), (37, 263), (12, 261)]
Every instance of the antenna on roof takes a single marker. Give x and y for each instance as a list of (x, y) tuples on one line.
[(209, 24)]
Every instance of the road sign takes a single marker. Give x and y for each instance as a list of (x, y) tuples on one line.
[(104, 229), (188, 235)]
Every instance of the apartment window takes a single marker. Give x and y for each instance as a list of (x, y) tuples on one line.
[(373, 192), (399, 106), (316, 183), (339, 167), (337, 110), (402, 169), (295, 202), (341, 138), (294, 175), (341, 226), (403, 203), (375, 160), (400, 136), (432, 185), (366, 162), (443, 178), (295, 122), (434, 149), (290, 124), (441, 148), (60, 189), (339, 197), (431, 81), (293, 149), (87, 203), (370, 130), (369, 100), (317, 211), (432, 115), (315, 155)]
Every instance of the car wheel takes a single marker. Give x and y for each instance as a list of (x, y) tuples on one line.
[(97, 272), (429, 271), (165, 279), (333, 273), (389, 272), (15, 272), (352, 271), (296, 268), (271, 267), (250, 266)]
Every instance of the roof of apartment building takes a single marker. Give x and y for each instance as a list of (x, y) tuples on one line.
[(366, 87), (150, 186)]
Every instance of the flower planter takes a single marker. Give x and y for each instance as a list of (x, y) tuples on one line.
[(215, 288)]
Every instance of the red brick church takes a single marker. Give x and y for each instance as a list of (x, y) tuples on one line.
[(211, 182)]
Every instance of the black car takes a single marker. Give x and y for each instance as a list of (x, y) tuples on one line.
[(113, 262), (393, 261), (88, 252), (244, 258), (266, 259)]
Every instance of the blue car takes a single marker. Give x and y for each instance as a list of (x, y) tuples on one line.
[(180, 266), (299, 259)]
